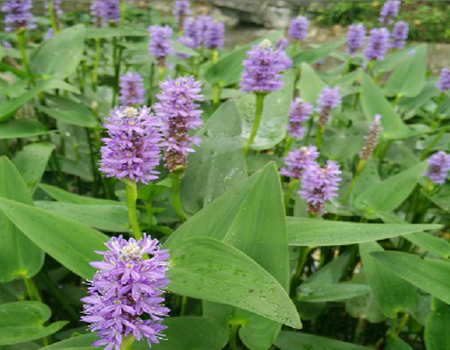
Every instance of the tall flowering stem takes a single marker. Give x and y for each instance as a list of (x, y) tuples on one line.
[(298, 30), (256, 122), (329, 99), (131, 196), (123, 9), (23, 54), (160, 46), (53, 13)]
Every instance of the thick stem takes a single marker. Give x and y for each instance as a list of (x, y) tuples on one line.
[(23, 53), (131, 190), (320, 132), (176, 194), (98, 49), (259, 111), (234, 335), (51, 12), (123, 7), (161, 70), (127, 343), (32, 290)]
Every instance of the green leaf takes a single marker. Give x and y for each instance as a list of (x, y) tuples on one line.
[(430, 275), (59, 56), (318, 293), (219, 163), (81, 342), (409, 79), (24, 321), (32, 161), (109, 218), (18, 255), (392, 192), (21, 128), (393, 295), (310, 84), (437, 336), (67, 241), (373, 102), (109, 32), (302, 341), (208, 269), (314, 55), (313, 232)]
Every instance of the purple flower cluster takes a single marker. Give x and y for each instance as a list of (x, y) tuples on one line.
[(371, 139), (320, 185), (181, 10), (378, 44), (400, 34), (131, 89), (439, 164), (178, 111), (329, 99), (298, 160), (356, 38), (18, 15), (215, 35), (389, 11), (299, 113), (298, 30), (192, 32), (127, 287), (132, 149), (444, 80), (160, 43), (203, 32), (105, 12), (263, 68)]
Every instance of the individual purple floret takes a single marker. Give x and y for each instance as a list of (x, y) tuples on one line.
[(371, 139), (320, 185), (329, 99), (179, 113), (298, 160), (444, 80), (263, 68), (400, 34), (439, 164), (389, 11), (160, 43), (132, 149), (378, 44), (299, 113), (181, 10), (105, 12), (192, 31), (215, 35), (18, 15), (126, 293), (7, 45), (132, 90), (298, 29), (356, 38)]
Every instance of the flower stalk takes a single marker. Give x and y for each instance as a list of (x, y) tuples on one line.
[(256, 122)]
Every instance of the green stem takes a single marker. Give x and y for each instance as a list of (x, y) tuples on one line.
[(183, 305), (117, 76), (176, 194), (127, 343), (259, 110), (131, 190), (427, 150), (92, 154), (299, 270), (289, 192), (320, 132), (234, 335), (123, 7), (359, 170), (161, 70), (295, 49), (98, 48), (32, 290), (51, 12), (349, 65), (214, 57), (23, 53)]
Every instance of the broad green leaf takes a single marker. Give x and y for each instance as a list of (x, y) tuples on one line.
[(81, 342), (393, 295), (67, 241), (302, 341), (313, 232), (437, 336), (373, 102), (23, 321), (274, 119), (399, 344), (18, 255), (430, 275), (208, 269), (411, 104), (59, 56), (409, 79), (109, 218), (70, 112), (389, 194), (319, 293), (31, 162), (310, 84), (21, 128), (219, 163), (316, 54), (109, 32), (369, 177)]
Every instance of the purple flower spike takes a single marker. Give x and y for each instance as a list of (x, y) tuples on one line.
[(298, 160), (389, 11), (378, 44), (356, 38), (105, 12), (371, 139), (18, 15), (299, 113), (132, 149), (126, 294), (263, 68), (400, 34), (329, 99), (215, 35), (192, 31), (203, 22), (444, 80), (131, 89), (439, 164), (320, 185), (298, 29), (179, 112), (181, 10), (160, 43)]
